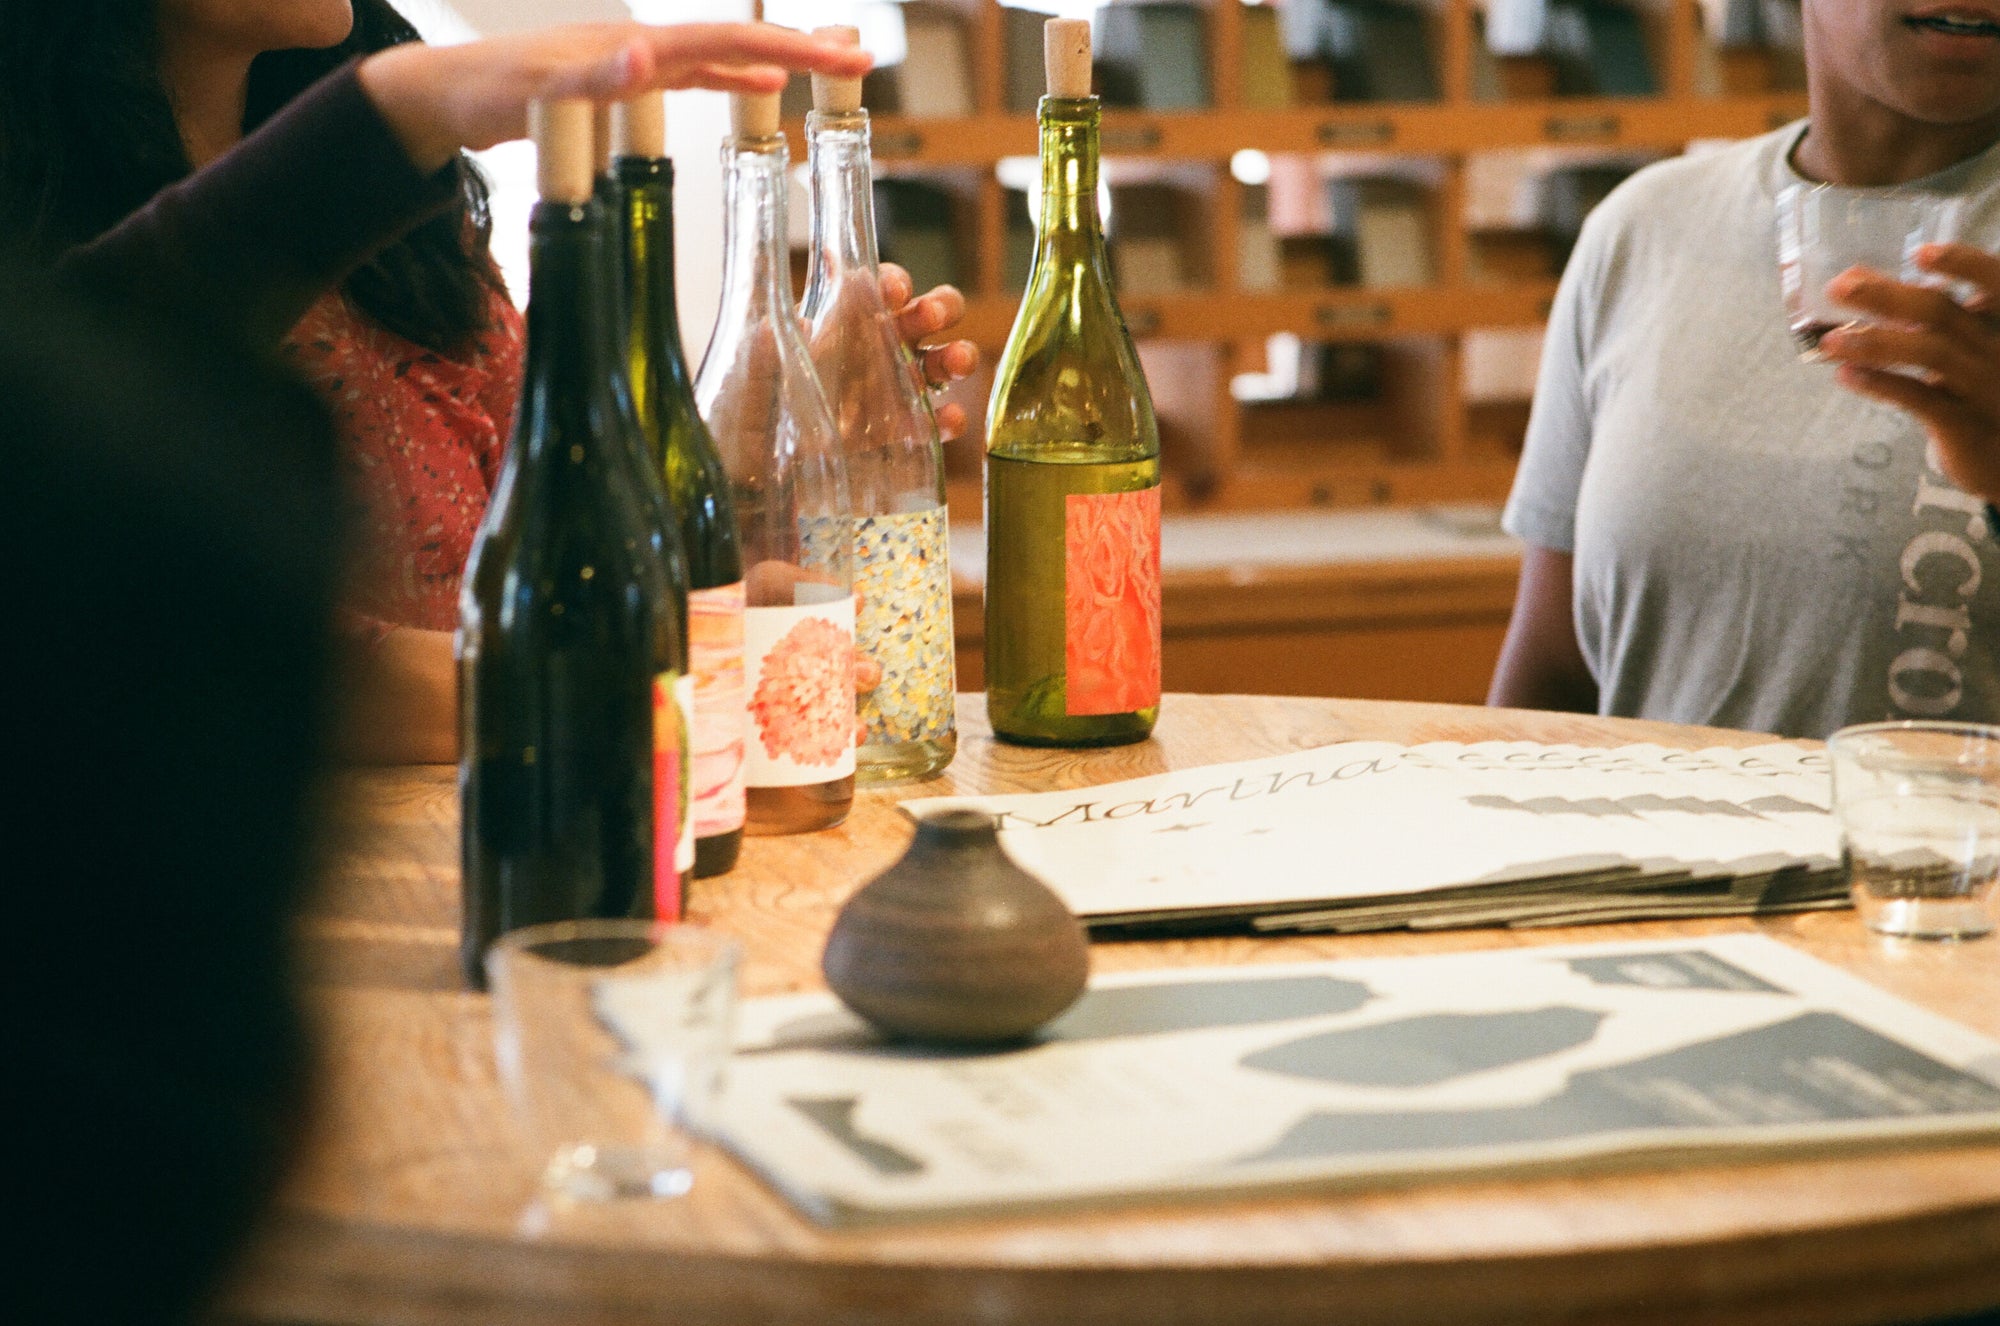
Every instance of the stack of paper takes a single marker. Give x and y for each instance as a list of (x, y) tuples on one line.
[(1027, 76), (1373, 835), (1152, 227), (1267, 73), (1258, 264), (1152, 54), (1376, 50), (935, 77), (1385, 224), (1245, 1078)]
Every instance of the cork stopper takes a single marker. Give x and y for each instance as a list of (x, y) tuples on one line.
[(837, 96), (639, 126), (1066, 53), (753, 114), (600, 138), (563, 166)]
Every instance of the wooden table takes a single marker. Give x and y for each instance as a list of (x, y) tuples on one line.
[(412, 1206)]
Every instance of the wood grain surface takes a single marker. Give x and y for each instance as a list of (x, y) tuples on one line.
[(415, 1202)]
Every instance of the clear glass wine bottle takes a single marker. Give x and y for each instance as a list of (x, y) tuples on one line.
[(771, 425), (894, 459)]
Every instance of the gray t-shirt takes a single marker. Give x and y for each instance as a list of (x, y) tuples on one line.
[(1755, 546)]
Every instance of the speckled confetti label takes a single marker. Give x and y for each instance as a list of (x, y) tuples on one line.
[(902, 578), (799, 668)]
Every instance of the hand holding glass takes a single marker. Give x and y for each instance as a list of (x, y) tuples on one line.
[(1823, 230)]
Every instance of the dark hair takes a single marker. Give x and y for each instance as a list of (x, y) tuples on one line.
[(87, 135), (181, 676)]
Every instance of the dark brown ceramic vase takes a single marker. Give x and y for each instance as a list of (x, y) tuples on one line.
[(955, 943)]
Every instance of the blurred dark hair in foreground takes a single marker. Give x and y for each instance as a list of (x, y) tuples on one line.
[(168, 541)]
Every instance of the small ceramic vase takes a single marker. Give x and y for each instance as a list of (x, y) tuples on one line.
[(955, 943)]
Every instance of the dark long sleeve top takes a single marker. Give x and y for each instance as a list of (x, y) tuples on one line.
[(250, 241)]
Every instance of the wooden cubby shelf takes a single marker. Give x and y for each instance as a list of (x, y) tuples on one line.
[(1422, 437)]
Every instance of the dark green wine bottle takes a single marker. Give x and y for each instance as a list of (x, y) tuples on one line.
[(1072, 467), (684, 455), (572, 748), (664, 524)]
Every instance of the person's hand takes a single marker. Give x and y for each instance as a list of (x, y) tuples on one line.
[(921, 319), (1953, 346), (439, 99)]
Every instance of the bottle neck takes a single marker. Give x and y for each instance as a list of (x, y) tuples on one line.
[(1069, 167), (756, 255), (647, 185), (843, 191), (567, 310)]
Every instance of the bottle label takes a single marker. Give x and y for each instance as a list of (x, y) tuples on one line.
[(799, 671), (673, 825), (1111, 602), (902, 581), (715, 655)]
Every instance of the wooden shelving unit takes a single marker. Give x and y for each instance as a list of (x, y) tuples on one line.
[(1430, 444)]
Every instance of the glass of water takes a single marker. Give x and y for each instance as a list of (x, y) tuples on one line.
[(612, 1038), (1824, 229), (1919, 811)]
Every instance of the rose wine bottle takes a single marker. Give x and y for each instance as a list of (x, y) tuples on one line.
[(683, 454), (890, 447), (1073, 467), (764, 407), (572, 749)]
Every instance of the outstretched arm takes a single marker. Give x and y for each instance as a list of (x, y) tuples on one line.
[(251, 240)]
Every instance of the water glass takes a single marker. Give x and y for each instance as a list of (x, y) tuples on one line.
[(612, 1038), (1824, 229), (1919, 811)]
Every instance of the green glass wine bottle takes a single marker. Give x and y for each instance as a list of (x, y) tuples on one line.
[(663, 521), (572, 746), (684, 455), (1072, 467)]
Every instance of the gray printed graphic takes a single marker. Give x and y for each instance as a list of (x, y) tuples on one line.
[(1149, 1010), (1685, 969), (835, 1117), (1648, 803), (1814, 1068), (1111, 1013), (1430, 1050)]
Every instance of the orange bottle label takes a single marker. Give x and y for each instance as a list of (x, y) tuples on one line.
[(1111, 601)]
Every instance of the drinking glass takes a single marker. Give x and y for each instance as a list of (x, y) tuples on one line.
[(1824, 229), (1919, 811), (612, 1038)]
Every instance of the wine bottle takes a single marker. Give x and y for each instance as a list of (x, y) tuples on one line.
[(1073, 466), (663, 523), (763, 405), (890, 446), (572, 748), (683, 454)]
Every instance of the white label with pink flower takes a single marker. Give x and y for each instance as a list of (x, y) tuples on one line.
[(799, 671)]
